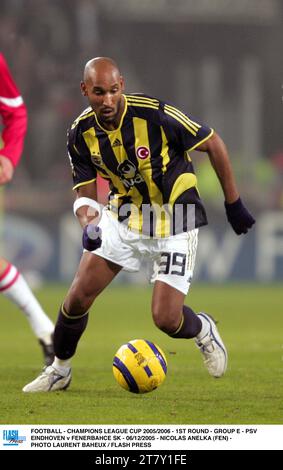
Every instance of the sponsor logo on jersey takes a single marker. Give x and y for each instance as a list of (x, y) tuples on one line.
[(129, 174)]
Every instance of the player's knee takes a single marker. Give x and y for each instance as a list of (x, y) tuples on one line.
[(75, 308), (78, 301), (165, 319)]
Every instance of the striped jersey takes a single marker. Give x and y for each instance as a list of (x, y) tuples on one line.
[(153, 187)]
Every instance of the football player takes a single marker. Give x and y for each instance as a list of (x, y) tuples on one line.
[(12, 284), (141, 145)]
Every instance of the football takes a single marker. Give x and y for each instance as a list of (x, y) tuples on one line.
[(139, 366)]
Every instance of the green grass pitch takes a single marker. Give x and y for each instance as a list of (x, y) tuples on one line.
[(250, 321)]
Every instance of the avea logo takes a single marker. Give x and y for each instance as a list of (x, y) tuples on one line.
[(11, 437), (129, 174)]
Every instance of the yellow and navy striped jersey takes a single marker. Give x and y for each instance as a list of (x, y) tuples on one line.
[(146, 161)]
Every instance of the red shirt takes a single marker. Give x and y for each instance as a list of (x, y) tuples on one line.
[(13, 113)]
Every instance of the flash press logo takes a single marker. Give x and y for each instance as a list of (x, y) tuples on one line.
[(11, 437)]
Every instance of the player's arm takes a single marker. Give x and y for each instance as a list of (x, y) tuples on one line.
[(85, 213), (86, 207), (14, 116), (88, 212), (237, 214), (186, 132), (220, 161), (6, 169)]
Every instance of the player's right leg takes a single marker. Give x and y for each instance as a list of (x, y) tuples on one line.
[(93, 275), (14, 287)]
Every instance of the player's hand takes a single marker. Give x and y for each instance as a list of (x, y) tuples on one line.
[(91, 237), (6, 170), (239, 217)]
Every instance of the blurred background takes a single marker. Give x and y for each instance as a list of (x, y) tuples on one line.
[(220, 61)]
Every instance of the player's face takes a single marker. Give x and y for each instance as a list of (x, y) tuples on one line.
[(104, 93)]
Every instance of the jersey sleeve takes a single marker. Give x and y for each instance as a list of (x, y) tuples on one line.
[(185, 131), (14, 115), (83, 170)]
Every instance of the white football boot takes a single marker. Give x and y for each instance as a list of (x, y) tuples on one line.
[(212, 348), (49, 380)]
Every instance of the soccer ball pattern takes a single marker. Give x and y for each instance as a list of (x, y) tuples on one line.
[(139, 366)]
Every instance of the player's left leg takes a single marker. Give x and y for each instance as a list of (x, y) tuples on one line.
[(14, 287), (171, 315), (180, 321), (173, 271)]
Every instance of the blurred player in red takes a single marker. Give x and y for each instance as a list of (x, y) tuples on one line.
[(12, 284)]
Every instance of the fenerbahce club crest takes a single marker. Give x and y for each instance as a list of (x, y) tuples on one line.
[(128, 174), (97, 159)]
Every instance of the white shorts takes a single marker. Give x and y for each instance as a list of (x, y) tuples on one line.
[(172, 259)]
